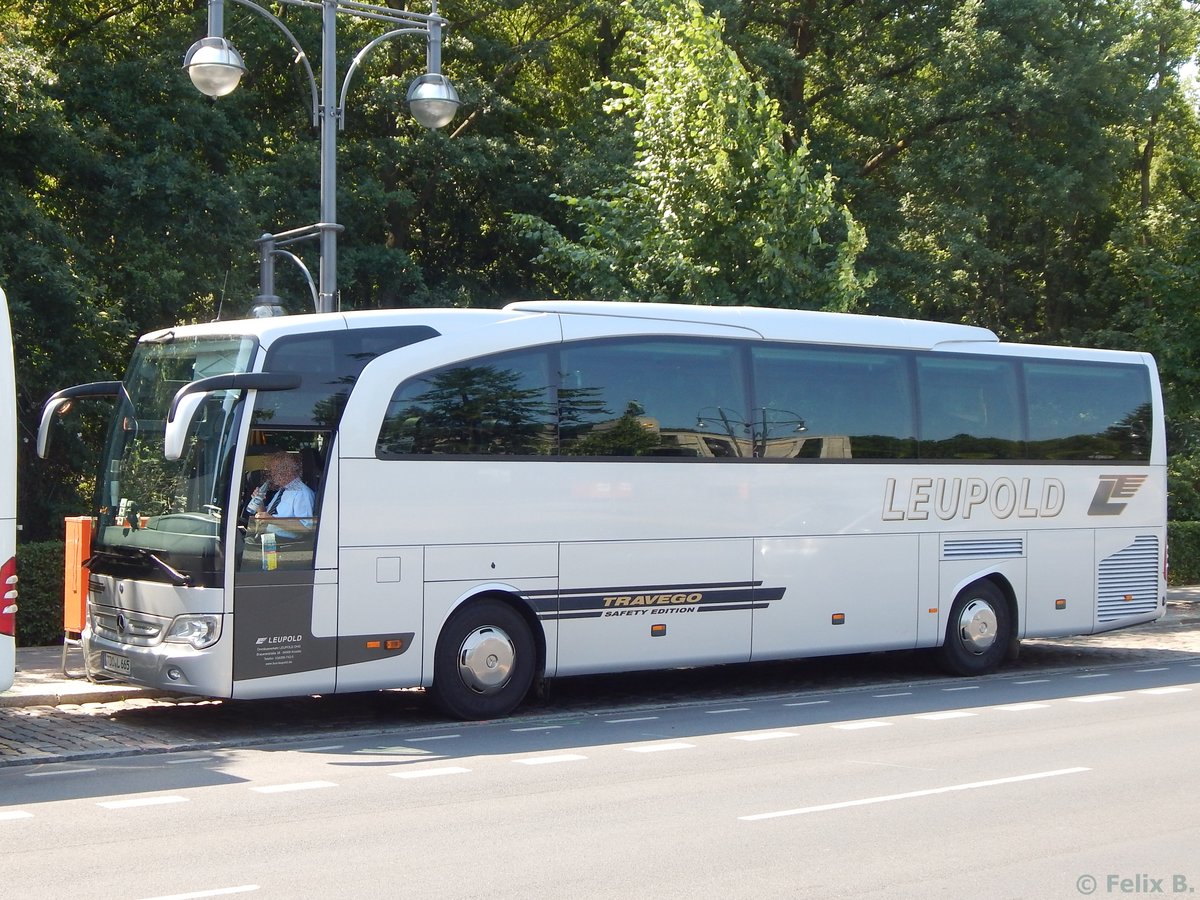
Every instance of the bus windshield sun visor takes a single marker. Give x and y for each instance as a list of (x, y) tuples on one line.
[(189, 398), (60, 402)]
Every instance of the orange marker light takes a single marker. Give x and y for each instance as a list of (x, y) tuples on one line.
[(1060, 603), (394, 645), (838, 619), (658, 630), (373, 645)]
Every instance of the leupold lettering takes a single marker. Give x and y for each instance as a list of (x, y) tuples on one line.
[(920, 499)]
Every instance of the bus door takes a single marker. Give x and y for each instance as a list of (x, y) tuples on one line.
[(284, 612)]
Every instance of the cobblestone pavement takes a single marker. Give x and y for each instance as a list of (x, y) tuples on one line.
[(59, 720)]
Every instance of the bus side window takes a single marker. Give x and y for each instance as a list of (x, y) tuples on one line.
[(969, 408)]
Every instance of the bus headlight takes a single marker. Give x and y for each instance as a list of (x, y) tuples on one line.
[(199, 631)]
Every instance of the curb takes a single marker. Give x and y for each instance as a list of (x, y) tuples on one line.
[(80, 697)]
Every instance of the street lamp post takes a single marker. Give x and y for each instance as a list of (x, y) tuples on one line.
[(215, 67)]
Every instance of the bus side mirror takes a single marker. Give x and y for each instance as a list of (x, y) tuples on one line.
[(189, 398), (183, 411), (60, 402)]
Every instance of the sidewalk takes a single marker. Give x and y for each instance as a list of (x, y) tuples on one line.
[(40, 680)]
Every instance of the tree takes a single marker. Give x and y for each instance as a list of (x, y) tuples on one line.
[(713, 206)]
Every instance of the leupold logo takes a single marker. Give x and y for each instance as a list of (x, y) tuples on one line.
[(1114, 488), (280, 639)]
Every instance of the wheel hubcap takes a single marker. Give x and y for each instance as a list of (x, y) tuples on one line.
[(485, 659), (977, 627)]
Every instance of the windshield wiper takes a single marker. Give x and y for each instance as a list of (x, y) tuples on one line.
[(138, 555)]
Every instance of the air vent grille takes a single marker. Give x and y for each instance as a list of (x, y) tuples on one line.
[(983, 548), (1128, 581)]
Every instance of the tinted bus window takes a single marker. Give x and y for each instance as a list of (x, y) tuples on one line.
[(970, 408), (655, 397), (1087, 411), (329, 364), (816, 402), (496, 406)]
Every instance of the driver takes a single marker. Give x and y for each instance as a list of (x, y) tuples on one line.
[(289, 513)]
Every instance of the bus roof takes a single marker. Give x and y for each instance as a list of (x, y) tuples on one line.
[(770, 324), (779, 324)]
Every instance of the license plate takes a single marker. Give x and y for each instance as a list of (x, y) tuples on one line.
[(111, 662)]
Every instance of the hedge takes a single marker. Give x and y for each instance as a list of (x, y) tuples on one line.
[(1183, 543), (40, 568), (40, 593)]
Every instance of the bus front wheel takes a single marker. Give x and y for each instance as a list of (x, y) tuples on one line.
[(979, 631), (483, 665)]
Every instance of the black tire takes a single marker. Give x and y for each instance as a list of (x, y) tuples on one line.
[(484, 662), (979, 632)]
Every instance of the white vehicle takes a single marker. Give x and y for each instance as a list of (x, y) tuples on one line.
[(562, 488), (8, 502)]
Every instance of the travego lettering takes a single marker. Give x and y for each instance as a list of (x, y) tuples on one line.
[(961, 498), (652, 599)]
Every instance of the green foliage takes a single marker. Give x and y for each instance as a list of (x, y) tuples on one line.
[(40, 597), (715, 207), (1183, 541)]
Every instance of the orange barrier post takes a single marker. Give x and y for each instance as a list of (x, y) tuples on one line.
[(75, 582)]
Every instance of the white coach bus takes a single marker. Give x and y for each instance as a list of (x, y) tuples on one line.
[(8, 502), (562, 488)]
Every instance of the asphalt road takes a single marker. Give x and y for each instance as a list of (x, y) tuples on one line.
[(1059, 782), (103, 728)]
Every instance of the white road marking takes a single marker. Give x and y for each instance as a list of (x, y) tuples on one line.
[(15, 814), (58, 772), (661, 748), (317, 749), (1023, 707), (1034, 681), (296, 786), (1094, 698), (718, 712), (949, 714), (1159, 669), (550, 760), (536, 728), (1094, 675), (143, 801), (190, 759), (858, 726), (764, 736), (909, 795), (1166, 690), (807, 703), (434, 737), (627, 721), (431, 773), (897, 694), (965, 687), (215, 892)]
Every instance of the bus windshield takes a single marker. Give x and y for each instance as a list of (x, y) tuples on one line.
[(161, 519)]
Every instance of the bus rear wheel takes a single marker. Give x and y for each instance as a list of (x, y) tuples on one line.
[(484, 662), (979, 631)]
